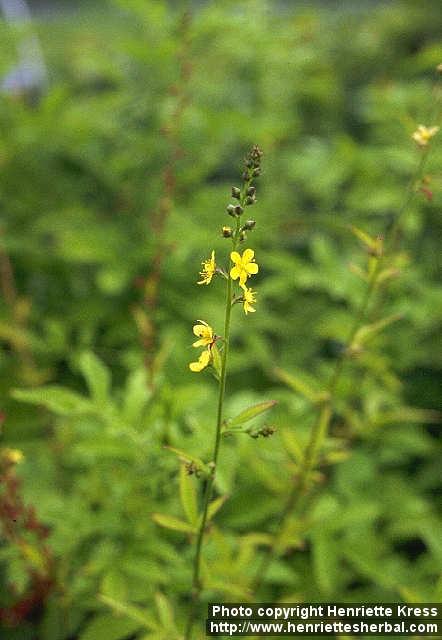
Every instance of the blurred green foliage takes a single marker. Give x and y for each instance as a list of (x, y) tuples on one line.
[(333, 98)]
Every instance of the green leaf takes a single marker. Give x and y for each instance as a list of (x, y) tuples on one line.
[(57, 399), (114, 585), (293, 445), (188, 495), (165, 612), (97, 376), (298, 384), (216, 361), (215, 506), (169, 522), (130, 611), (250, 413), (232, 590), (109, 627), (370, 243), (370, 330), (136, 396), (188, 457), (325, 560)]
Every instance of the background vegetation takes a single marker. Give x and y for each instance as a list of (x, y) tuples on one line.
[(113, 182)]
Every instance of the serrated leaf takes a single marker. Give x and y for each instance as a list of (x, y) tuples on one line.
[(188, 495), (97, 376), (109, 627), (169, 522), (250, 413), (57, 399)]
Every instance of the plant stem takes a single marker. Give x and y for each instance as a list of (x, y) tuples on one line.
[(196, 581), (319, 432)]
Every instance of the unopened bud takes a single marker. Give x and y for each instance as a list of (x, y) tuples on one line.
[(238, 210), (236, 193), (256, 172), (249, 225), (231, 210), (251, 191), (242, 236), (250, 200), (227, 232)]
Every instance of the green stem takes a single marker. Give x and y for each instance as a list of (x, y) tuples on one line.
[(196, 580), (319, 432)]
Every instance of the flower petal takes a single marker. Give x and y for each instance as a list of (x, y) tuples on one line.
[(199, 330), (235, 273), (202, 363), (235, 257), (252, 267), (247, 256)]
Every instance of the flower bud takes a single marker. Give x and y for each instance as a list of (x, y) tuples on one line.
[(250, 200), (249, 225), (236, 193), (227, 232), (242, 236), (231, 210), (238, 210), (256, 172), (245, 176), (251, 191)]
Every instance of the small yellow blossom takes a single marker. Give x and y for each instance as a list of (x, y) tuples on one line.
[(202, 361), (249, 298), (12, 456), (204, 332), (244, 266), (423, 134), (208, 270)]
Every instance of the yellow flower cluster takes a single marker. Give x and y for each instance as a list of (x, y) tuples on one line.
[(244, 267), (423, 135)]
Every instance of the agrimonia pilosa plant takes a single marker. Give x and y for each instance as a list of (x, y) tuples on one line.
[(239, 269)]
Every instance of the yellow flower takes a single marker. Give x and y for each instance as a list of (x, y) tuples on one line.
[(204, 332), (249, 298), (202, 362), (244, 266), (423, 134), (12, 456), (208, 270)]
